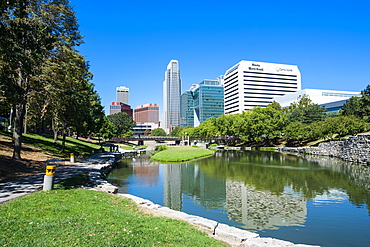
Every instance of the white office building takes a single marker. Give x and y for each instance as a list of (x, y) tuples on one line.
[(249, 84), (122, 94), (171, 96), (318, 96)]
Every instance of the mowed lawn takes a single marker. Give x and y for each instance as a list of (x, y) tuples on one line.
[(80, 217)]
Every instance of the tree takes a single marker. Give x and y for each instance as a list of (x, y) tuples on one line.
[(365, 103), (158, 132), (176, 131), (303, 110), (30, 30), (297, 131), (122, 123), (352, 107)]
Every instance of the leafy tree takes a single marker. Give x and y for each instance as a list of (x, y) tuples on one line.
[(297, 131), (303, 110), (208, 128), (30, 30), (122, 123), (158, 132), (176, 131), (275, 105), (365, 102), (261, 123), (352, 107)]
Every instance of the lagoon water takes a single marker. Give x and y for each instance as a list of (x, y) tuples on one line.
[(311, 200)]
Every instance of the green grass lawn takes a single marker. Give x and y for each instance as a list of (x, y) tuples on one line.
[(46, 143), (181, 154), (90, 218)]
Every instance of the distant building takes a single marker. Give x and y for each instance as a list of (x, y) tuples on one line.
[(144, 129), (249, 84), (122, 94), (318, 96), (147, 113), (117, 107), (171, 96), (202, 101)]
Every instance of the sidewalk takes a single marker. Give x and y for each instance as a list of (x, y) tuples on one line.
[(23, 186)]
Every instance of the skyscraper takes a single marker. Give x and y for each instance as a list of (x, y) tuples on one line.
[(122, 94), (171, 96), (249, 84), (202, 101)]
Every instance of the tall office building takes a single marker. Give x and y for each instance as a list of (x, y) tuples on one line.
[(147, 113), (202, 101), (171, 96), (187, 109), (249, 84), (122, 94)]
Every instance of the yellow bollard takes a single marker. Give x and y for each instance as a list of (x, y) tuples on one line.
[(50, 170), (49, 178), (72, 157)]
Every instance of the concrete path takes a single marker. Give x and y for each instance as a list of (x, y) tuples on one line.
[(23, 186)]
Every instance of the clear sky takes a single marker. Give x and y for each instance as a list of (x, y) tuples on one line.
[(129, 43)]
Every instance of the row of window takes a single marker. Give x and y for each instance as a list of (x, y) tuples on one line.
[(229, 96), (292, 87), (339, 94), (277, 82), (261, 73), (271, 78), (287, 91), (260, 97)]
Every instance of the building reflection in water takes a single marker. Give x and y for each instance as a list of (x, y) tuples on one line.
[(172, 186), (258, 210)]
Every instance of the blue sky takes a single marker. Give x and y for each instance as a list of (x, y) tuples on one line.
[(129, 43)]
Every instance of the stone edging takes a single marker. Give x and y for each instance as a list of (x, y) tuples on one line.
[(354, 149), (231, 236)]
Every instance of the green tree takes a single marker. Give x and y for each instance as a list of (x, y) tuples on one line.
[(297, 131), (262, 124), (365, 103), (30, 30), (352, 107), (158, 132), (303, 110), (122, 123), (176, 131)]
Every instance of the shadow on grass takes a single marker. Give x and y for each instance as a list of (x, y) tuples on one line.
[(46, 143)]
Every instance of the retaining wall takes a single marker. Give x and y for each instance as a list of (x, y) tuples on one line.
[(354, 149)]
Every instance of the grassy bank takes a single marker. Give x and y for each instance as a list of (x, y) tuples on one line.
[(90, 218), (181, 154)]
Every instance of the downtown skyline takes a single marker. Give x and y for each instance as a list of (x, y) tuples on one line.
[(131, 43)]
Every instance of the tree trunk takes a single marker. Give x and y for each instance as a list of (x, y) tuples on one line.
[(17, 133), (55, 131), (64, 141)]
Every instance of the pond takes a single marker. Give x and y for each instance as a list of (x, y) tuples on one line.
[(309, 200)]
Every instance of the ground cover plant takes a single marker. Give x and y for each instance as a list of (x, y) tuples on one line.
[(90, 218), (181, 154)]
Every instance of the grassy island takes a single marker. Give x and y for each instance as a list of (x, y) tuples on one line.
[(181, 154)]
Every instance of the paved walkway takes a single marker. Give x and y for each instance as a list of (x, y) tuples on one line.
[(23, 186)]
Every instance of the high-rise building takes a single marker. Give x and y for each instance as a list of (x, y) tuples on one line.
[(147, 113), (122, 94), (187, 109), (249, 84), (202, 101), (117, 107), (171, 96)]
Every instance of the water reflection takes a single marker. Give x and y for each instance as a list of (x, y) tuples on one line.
[(259, 191), (258, 210)]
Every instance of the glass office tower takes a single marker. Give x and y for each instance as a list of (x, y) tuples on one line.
[(171, 96), (203, 100)]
